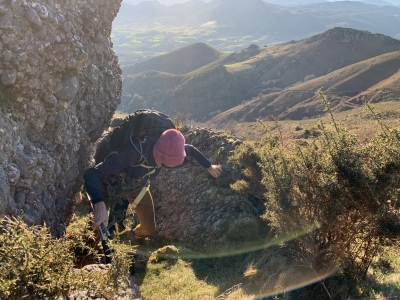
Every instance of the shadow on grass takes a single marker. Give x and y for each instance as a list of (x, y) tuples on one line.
[(226, 268), (226, 272), (339, 287), (223, 272)]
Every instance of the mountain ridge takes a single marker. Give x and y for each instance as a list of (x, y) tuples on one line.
[(179, 61), (346, 88), (253, 71)]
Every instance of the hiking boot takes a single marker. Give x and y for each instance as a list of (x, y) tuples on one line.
[(142, 231), (130, 235)]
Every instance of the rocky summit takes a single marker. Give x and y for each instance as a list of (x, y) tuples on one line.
[(60, 83)]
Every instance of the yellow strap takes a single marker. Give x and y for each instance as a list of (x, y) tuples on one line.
[(140, 196)]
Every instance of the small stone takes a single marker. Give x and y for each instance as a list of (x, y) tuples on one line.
[(33, 19), (71, 63), (20, 199), (41, 34), (69, 89), (9, 77), (6, 22), (13, 174), (67, 25), (98, 37), (20, 76), (15, 4), (3, 10), (7, 55), (193, 230), (50, 100), (22, 57), (42, 11)]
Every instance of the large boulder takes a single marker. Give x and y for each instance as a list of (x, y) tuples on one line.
[(60, 83), (198, 212)]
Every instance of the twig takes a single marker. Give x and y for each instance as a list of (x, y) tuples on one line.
[(229, 291)]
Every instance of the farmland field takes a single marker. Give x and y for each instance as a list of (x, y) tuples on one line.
[(134, 44)]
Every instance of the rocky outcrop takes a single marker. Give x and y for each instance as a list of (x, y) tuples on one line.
[(60, 83), (197, 211), (128, 289)]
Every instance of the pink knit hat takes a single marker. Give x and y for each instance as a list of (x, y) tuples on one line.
[(170, 148)]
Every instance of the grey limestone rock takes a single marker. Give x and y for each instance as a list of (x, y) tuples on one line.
[(56, 95), (4, 191), (195, 210)]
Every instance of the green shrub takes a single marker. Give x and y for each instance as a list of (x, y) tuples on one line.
[(332, 197), (181, 119), (310, 133), (34, 265)]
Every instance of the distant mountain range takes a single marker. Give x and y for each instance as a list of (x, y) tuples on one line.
[(258, 18), (351, 65), (164, 2)]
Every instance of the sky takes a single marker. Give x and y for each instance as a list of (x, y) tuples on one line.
[(171, 2)]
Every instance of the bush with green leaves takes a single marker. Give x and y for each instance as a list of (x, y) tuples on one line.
[(35, 265), (332, 197), (181, 119)]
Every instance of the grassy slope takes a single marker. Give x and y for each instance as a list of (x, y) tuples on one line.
[(358, 121), (381, 282)]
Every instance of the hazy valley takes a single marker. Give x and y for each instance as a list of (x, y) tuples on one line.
[(351, 66), (150, 28)]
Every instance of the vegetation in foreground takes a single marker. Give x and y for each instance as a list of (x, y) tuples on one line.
[(35, 265), (331, 203)]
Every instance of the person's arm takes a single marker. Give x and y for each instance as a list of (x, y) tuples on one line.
[(92, 177), (113, 164), (214, 170)]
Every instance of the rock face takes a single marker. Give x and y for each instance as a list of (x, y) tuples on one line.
[(60, 83), (197, 211)]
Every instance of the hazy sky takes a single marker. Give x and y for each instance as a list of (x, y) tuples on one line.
[(171, 2)]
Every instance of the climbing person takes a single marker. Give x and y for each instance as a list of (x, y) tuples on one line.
[(123, 177)]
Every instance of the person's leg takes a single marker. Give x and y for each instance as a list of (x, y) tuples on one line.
[(106, 197), (118, 213), (118, 207), (145, 213)]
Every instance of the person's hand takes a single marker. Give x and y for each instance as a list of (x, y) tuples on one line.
[(100, 214), (215, 170)]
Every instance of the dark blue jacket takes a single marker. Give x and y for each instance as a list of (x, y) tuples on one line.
[(127, 162)]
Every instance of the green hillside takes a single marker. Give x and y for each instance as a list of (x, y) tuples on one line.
[(242, 76), (180, 61), (346, 88)]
